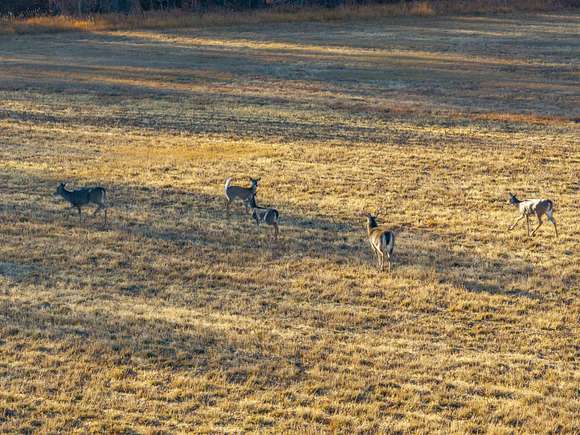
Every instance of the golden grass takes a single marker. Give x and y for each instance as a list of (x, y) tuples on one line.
[(180, 19), (175, 319)]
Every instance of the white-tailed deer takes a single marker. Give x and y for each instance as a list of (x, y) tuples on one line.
[(242, 193), (82, 197), (265, 215), (529, 207), (382, 241)]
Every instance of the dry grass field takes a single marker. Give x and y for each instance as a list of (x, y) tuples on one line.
[(176, 319)]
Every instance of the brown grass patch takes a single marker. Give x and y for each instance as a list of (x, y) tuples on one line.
[(180, 19), (173, 152), (529, 118)]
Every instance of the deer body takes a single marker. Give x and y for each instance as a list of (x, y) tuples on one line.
[(382, 241), (245, 194), (265, 215), (533, 207), (82, 197)]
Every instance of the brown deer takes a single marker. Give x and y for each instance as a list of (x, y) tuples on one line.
[(529, 207), (82, 197), (245, 194), (265, 215), (382, 241)]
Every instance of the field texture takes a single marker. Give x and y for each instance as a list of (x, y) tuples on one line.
[(176, 319)]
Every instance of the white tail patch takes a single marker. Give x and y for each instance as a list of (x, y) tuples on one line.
[(228, 182), (389, 242)]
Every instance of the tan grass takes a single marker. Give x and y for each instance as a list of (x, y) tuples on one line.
[(180, 19), (177, 320)]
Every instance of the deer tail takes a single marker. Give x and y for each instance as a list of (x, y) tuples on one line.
[(388, 241), (227, 185)]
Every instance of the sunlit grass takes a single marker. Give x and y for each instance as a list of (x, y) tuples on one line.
[(179, 19)]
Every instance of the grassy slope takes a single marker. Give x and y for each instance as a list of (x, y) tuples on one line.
[(175, 318)]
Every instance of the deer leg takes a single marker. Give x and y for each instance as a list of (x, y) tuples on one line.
[(275, 231), (389, 261), (551, 219), (512, 226), (375, 252), (80, 216), (528, 224), (539, 225), (228, 202), (382, 261), (102, 207), (378, 255)]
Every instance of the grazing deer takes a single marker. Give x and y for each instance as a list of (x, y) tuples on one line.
[(382, 241), (242, 193), (529, 207), (82, 197), (265, 215)]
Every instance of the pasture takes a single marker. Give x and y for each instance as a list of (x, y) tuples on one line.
[(176, 319)]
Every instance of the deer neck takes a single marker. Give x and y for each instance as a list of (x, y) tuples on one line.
[(371, 225), (65, 193)]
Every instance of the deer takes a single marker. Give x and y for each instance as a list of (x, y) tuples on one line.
[(266, 215), (381, 240), (529, 207), (81, 197), (242, 193)]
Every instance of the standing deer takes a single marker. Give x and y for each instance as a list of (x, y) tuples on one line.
[(242, 193), (265, 215), (382, 241), (82, 197), (529, 207)]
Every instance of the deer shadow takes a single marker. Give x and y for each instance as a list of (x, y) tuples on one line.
[(461, 267), (183, 219)]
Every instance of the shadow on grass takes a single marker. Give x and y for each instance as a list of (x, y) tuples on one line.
[(317, 78), (462, 268), (99, 333), (178, 221)]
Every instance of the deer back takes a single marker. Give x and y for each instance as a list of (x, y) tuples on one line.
[(97, 195), (382, 239), (266, 215), (80, 197), (375, 235), (244, 193), (536, 206)]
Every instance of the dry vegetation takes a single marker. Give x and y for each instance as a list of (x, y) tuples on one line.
[(179, 18), (175, 319)]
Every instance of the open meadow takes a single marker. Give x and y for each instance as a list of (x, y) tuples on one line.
[(176, 319)]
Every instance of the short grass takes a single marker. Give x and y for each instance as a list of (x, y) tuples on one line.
[(177, 319)]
